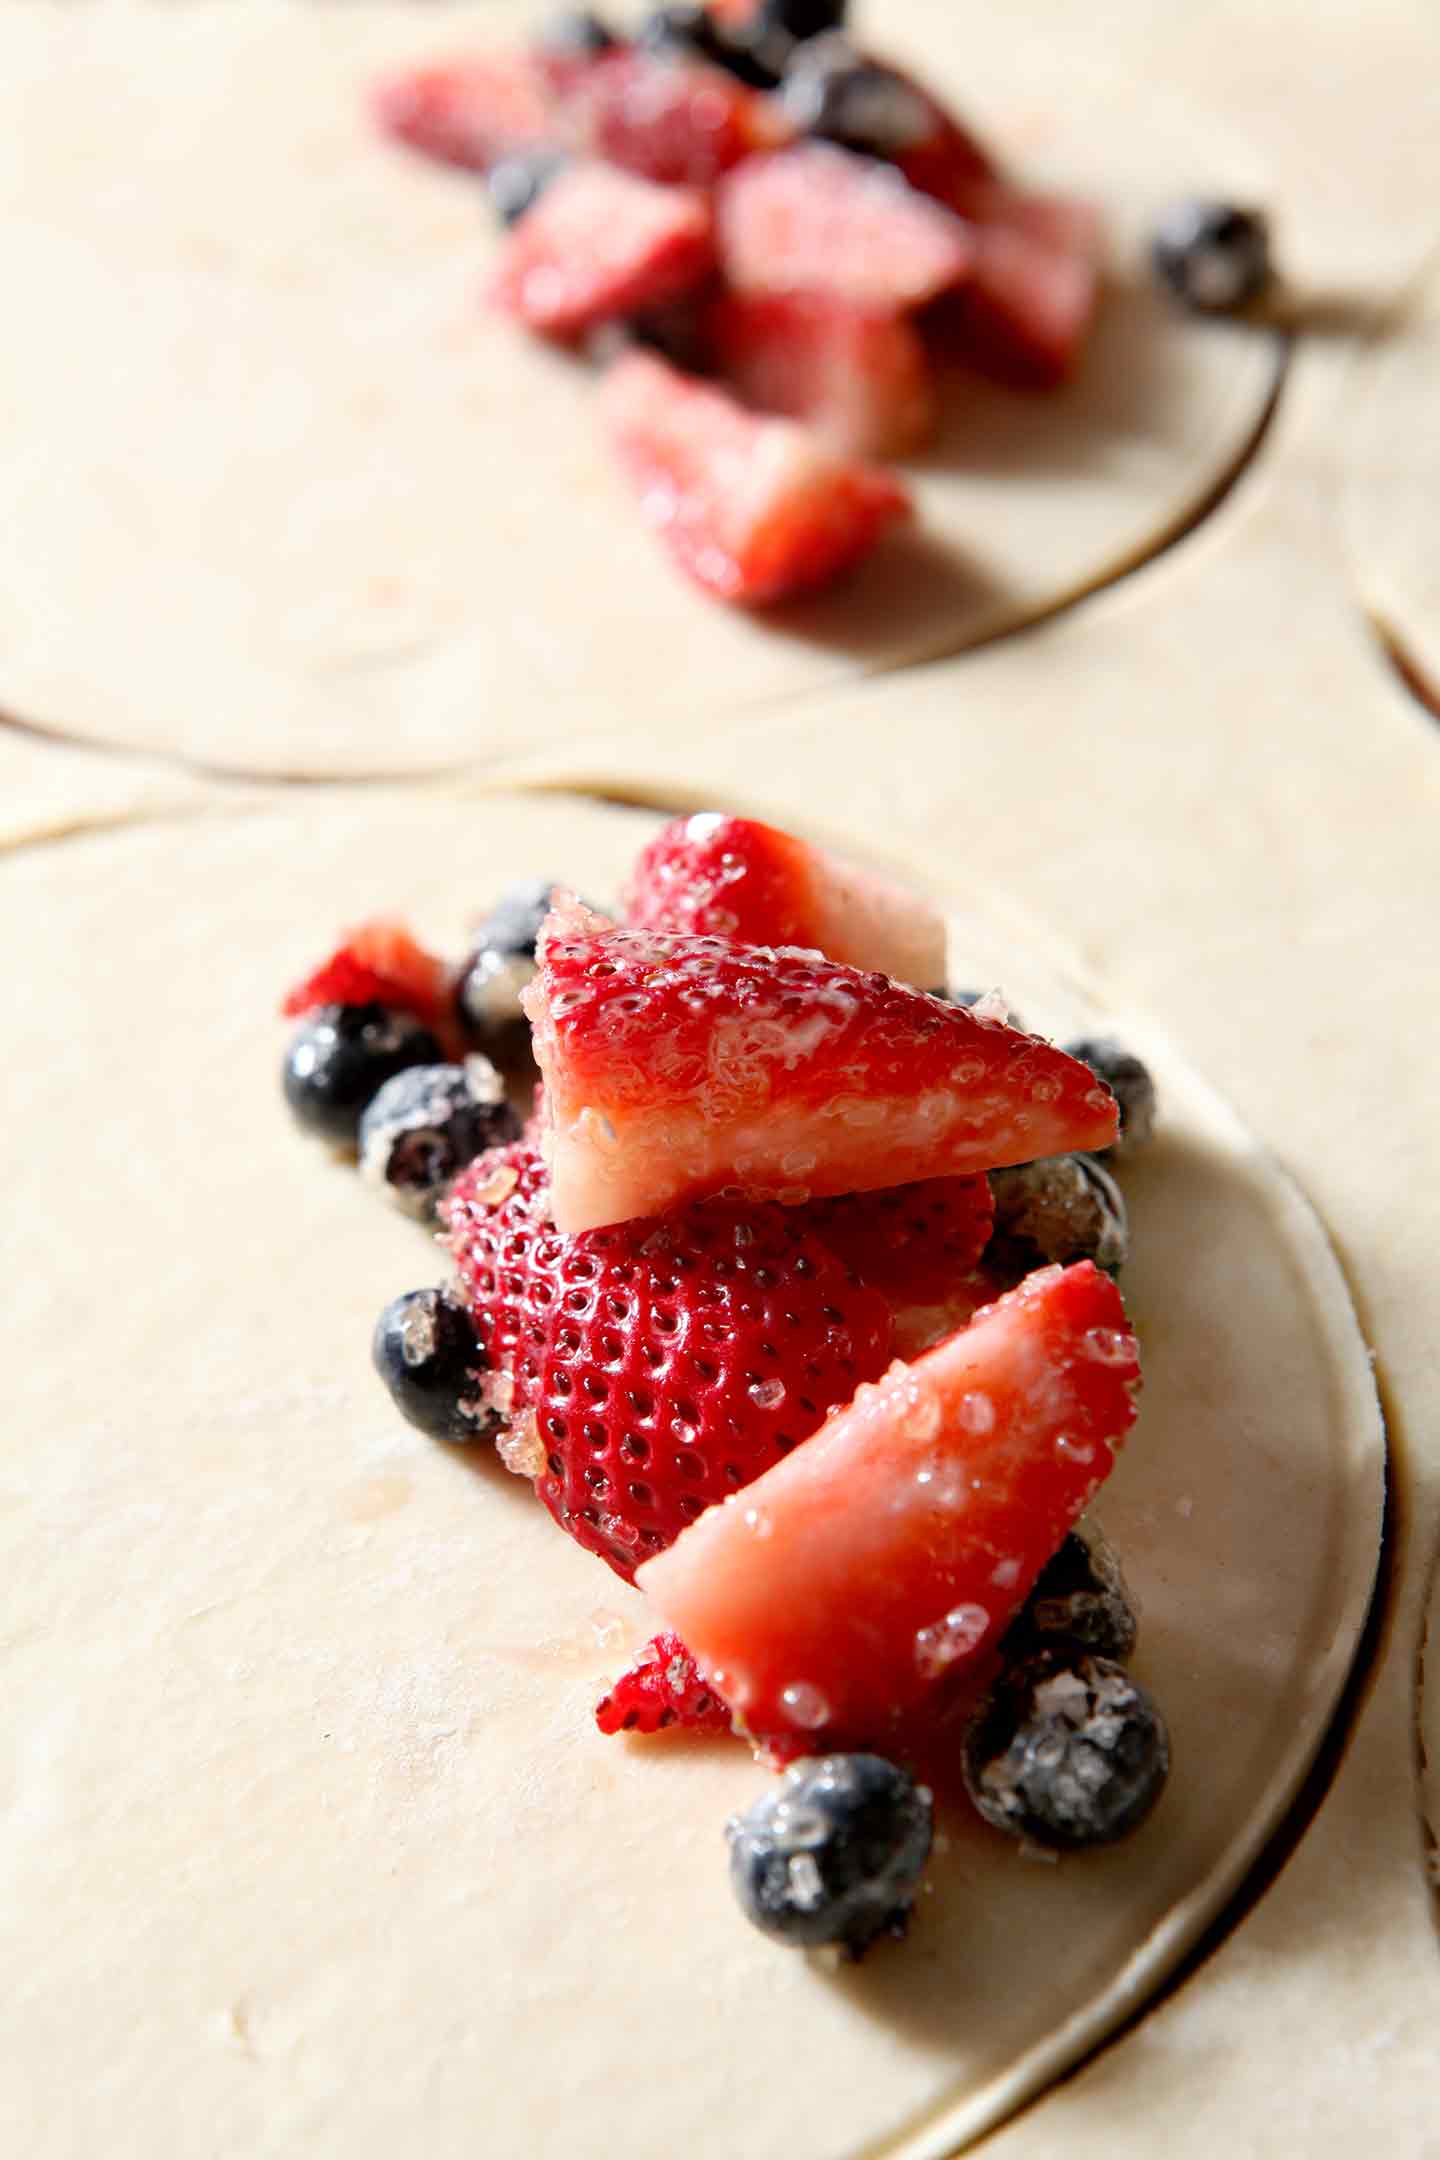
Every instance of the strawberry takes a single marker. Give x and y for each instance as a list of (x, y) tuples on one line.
[(731, 877), (661, 1688), (860, 379), (1025, 312), (679, 1067), (818, 219), (754, 510), (601, 243), (919, 1246), (829, 1602), (649, 1369), (668, 120), (467, 112), (380, 963)]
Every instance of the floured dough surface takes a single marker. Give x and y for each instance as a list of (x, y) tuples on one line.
[(1392, 490), (279, 493), (308, 1830)]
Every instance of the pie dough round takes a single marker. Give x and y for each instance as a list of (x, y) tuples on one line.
[(311, 1844), (1392, 491), (279, 495)]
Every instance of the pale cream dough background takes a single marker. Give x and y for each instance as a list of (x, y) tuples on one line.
[(1214, 782)]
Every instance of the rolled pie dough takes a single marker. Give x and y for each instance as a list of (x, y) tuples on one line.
[(310, 1844), (279, 494)]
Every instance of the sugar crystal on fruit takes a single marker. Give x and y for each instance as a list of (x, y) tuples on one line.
[(1070, 1449), (757, 1520), (939, 1647), (520, 1447), (1107, 1346), (807, 1886), (496, 1189), (1005, 1574), (805, 1705), (766, 1394), (975, 1413)]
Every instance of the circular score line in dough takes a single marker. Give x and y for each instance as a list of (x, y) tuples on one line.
[(299, 1765), (1392, 488), (281, 496)]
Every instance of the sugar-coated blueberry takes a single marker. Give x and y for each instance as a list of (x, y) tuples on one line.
[(834, 92), (1128, 1080), (1080, 1597), (1067, 1751), (687, 32), (501, 963), (427, 1123), (1062, 1208), (1214, 256), (801, 19), (576, 33), (833, 1854), (341, 1056), (516, 183), (425, 1350)]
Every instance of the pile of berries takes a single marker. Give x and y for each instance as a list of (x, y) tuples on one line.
[(794, 1299)]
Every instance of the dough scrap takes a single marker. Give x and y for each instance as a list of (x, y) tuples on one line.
[(312, 512), (308, 1829)]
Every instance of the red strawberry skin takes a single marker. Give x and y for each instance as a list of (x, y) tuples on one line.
[(713, 875), (1026, 310), (654, 1367), (867, 1578), (858, 377), (378, 963), (754, 510), (663, 1687), (817, 219), (678, 1067), (470, 112), (679, 124), (599, 244)]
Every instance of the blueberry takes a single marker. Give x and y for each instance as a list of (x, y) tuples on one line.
[(676, 329), (1079, 1598), (1067, 1751), (1062, 1208), (834, 1853), (517, 182), (691, 33), (576, 33), (341, 1056), (425, 1351), (800, 19), (427, 1123), (1129, 1082), (1212, 255), (832, 91), (500, 965)]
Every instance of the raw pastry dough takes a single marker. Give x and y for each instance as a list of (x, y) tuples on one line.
[(1392, 492), (310, 1842), (280, 496)]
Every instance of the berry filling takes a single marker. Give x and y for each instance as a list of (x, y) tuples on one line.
[(794, 1302)]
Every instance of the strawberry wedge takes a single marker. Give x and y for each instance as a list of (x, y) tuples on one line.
[(821, 220), (665, 119), (378, 963), (867, 1577), (677, 1068), (1026, 310), (601, 243), (754, 510), (859, 378), (732, 877), (469, 112)]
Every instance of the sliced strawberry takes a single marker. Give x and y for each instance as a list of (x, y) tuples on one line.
[(661, 1688), (754, 510), (378, 963), (649, 1369), (665, 119), (601, 243), (821, 220), (467, 112), (718, 876), (1026, 311), (913, 1243), (677, 1067), (832, 1599), (859, 379)]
